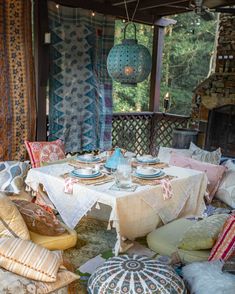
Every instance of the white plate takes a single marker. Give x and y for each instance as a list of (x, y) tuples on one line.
[(95, 175), (85, 159), (150, 177), (142, 172), (148, 160)]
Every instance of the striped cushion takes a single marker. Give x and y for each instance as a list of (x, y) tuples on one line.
[(29, 260), (225, 245)]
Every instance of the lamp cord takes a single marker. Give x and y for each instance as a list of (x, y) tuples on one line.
[(133, 15)]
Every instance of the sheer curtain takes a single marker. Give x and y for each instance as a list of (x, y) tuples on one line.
[(80, 90)]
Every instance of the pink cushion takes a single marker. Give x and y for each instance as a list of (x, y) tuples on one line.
[(45, 151), (224, 247), (214, 172)]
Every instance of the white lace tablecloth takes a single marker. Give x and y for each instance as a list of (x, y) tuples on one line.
[(134, 214)]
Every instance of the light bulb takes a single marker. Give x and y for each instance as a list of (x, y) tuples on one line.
[(128, 70), (57, 6), (93, 13)]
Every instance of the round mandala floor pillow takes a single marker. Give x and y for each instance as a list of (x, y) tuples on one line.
[(135, 275)]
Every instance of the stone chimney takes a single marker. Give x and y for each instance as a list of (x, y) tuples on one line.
[(219, 88)]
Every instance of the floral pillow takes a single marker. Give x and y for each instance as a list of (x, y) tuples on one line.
[(212, 157), (12, 174), (45, 151)]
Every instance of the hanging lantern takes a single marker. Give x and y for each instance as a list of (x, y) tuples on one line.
[(129, 63)]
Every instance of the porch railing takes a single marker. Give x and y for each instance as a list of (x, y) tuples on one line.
[(144, 132)]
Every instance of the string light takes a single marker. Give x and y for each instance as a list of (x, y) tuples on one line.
[(93, 13), (123, 20), (57, 6)]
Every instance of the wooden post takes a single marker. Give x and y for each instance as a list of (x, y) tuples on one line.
[(158, 44), (41, 60)]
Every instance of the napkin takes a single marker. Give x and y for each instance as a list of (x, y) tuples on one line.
[(68, 186), (167, 190)]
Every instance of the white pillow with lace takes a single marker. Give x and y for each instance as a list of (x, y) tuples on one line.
[(205, 156)]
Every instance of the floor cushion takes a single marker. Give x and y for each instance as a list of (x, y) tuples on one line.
[(165, 240), (29, 260), (203, 233), (39, 220), (13, 283), (164, 153), (62, 242), (229, 265), (208, 278), (226, 190), (44, 151), (214, 172), (11, 221), (212, 157), (134, 274), (12, 174)]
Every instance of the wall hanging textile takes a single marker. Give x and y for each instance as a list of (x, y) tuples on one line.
[(80, 90), (17, 91)]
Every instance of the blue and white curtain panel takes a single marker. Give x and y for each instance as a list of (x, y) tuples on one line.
[(80, 89)]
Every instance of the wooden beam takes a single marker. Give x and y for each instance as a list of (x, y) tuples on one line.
[(41, 59), (157, 3), (158, 43), (108, 9), (164, 22)]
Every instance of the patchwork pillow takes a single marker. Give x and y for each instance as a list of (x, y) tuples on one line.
[(11, 221), (205, 156), (214, 172), (204, 233), (29, 260), (12, 175), (13, 283), (164, 153), (226, 190), (45, 151), (224, 248), (38, 220)]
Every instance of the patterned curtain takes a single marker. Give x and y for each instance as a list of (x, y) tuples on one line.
[(17, 91), (80, 90)]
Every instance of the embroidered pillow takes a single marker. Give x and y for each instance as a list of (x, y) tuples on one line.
[(12, 175), (11, 222), (38, 220), (12, 283), (224, 248), (29, 260), (204, 233), (226, 190), (214, 172), (44, 151), (205, 156), (165, 153)]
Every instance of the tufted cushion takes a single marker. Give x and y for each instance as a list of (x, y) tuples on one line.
[(204, 233), (29, 260), (136, 274), (12, 175), (205, 156), (224, 247), (12, 283), (45, 151), (165, 153), (38, 220), (11, 221), (214, 172), (226, 190)]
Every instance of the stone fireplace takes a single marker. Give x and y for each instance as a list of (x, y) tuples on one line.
[(214, 99)]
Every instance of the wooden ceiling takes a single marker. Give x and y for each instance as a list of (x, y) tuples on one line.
[(148, 11)]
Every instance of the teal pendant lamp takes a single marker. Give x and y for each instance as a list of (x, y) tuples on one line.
[(129, 62)]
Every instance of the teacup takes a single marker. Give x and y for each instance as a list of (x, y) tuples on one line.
[(146, 170), (88, 156)]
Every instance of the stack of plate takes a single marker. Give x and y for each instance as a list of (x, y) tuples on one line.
[(88, 159), (80, 173), (147, 159), (145, 173)]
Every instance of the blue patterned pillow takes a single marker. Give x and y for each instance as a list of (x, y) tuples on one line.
[(12, 175)]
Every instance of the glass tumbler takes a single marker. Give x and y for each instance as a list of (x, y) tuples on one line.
[(123, 173)]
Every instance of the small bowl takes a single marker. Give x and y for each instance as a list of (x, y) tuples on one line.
[(146, 171), (85, 171)]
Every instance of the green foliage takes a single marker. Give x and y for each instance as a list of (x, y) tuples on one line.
[(186, 57)]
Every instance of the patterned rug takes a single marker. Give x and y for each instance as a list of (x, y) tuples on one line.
[(17, 88)]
